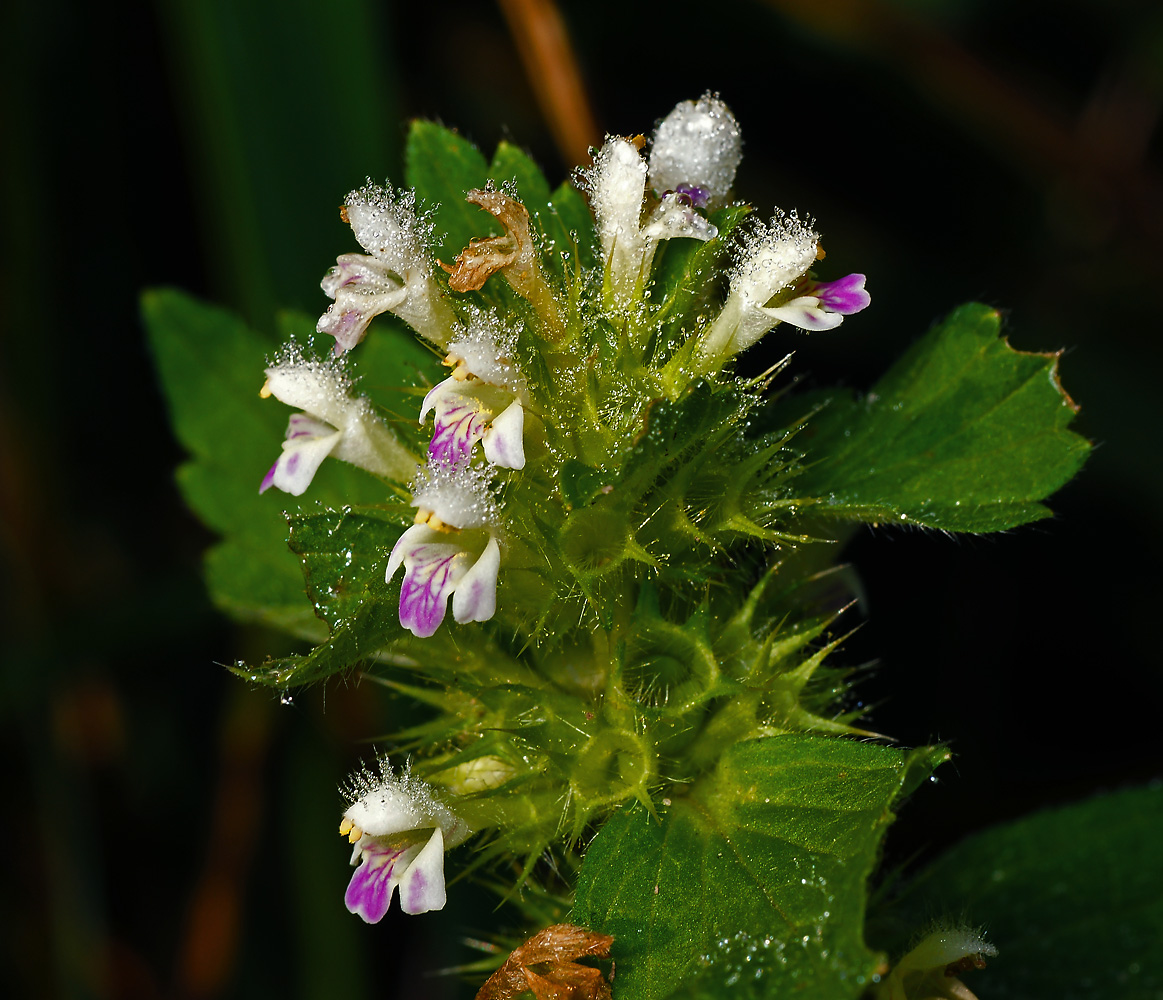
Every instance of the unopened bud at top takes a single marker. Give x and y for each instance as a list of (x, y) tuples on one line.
[(696, 151)]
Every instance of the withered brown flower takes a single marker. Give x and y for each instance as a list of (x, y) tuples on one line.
[(546, 965)]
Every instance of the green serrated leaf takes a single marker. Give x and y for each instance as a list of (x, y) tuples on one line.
[(964, 433), (575, 222), (511, 164), (1072, 898), (343, 554), (211, 367), (442, 166), (754, 884)]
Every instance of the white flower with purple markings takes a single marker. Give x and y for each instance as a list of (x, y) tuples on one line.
[(482, 400), (771, 284), (333, 422), (451, 550), (399, 831), (395, 276)]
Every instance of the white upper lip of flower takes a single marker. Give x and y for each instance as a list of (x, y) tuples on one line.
[(617, 186), (698, 145), (389, 227), (458, 496), (386, 803)]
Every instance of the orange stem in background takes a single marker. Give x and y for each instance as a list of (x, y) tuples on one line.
[(543, 44)]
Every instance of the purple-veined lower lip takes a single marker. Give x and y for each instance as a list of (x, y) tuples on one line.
[(457, 429), (844, 295), (369, 893), (424, 592)]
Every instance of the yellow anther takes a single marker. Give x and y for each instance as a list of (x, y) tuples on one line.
[(355, 834), (450, 360), (345, 826), (461, 372), (425, 516), (265, 391)]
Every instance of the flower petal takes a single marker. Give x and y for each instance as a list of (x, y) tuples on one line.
[(422, 887), (435, 394), (460, 423), (474, 598), (504, 442), (807, 313), (431, 573), (296, 466), (369, 893), (403, 547), (676, 217), (348, 318), (844, 295)]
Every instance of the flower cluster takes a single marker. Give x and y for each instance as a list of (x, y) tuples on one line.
[(538, 503), (455, 547)]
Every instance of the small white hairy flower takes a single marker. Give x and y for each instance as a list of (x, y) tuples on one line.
[(616, 184), (333, 422), (696, 151), (399, 831), (395, 276), (931, 968), (771, 284)]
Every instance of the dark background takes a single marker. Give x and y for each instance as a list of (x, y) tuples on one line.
[(170, 833)]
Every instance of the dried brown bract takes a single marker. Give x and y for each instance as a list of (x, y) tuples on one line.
[(484, 257), (512, 254), (546, 965)]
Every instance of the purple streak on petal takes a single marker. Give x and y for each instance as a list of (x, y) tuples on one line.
[(424, 592), (347, 327), (844, 295), (349, 275), (301, 425), (369, 893), (697, 195), (417, 890), (292, 464), (269, 479), (458, 427)]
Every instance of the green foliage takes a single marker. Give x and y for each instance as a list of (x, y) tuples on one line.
[(752, 884), (1071, 897), (211, 366), (964, 433)]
